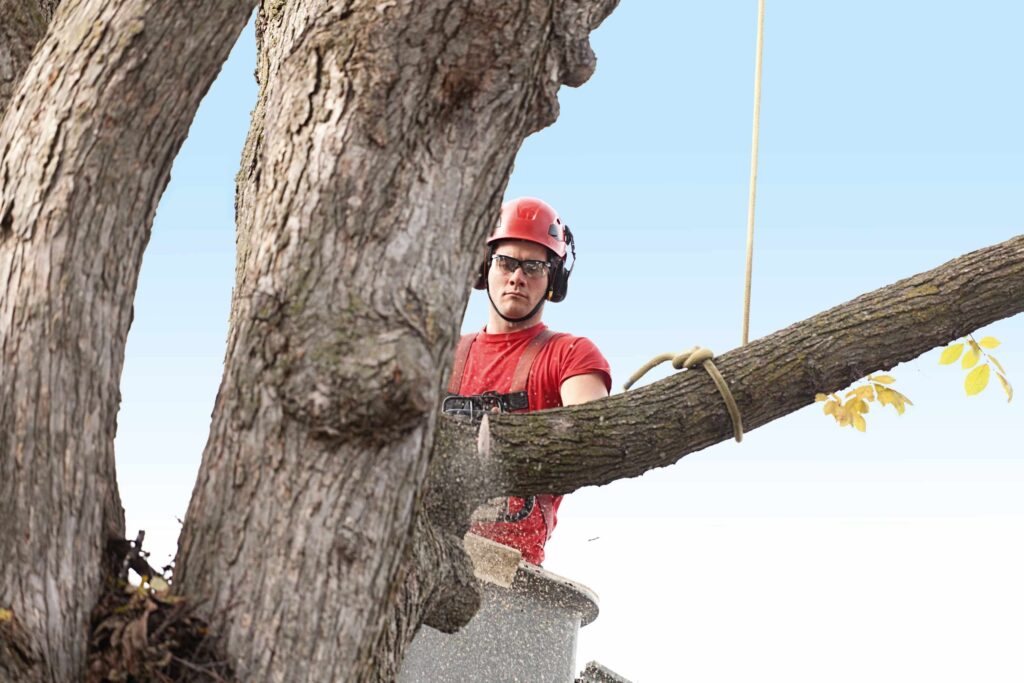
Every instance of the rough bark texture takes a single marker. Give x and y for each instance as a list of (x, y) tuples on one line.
[(381, 144), (22, 26), (85, 152), (626, 435)]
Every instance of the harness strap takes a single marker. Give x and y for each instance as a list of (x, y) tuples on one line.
[(546, 503), (459, 367), (522, 374)]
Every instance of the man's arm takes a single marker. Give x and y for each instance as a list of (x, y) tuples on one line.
[(582, 388)]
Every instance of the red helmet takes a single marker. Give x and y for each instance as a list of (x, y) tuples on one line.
[(532, 220)]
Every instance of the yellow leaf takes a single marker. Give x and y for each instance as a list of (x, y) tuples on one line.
[(866, 393), (999, 366), (830, 407), (882, 379), (859, 423), (820, 397), (970, 358), (5, 615), (974, 344), (989, 342), (895, 399), (844, 416), (977, 380), (950, 354), (885, 396), (1006, 387), (861, 406)]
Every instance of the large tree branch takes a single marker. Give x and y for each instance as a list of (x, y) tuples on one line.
[(85, 153), (561, 450)]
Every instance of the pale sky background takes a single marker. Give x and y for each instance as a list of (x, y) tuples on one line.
[(891, 142)]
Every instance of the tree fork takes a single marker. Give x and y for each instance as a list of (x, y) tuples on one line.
[(561, 450)]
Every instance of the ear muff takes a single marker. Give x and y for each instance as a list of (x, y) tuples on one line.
[(481, 275), (560, 274), (559, 282)]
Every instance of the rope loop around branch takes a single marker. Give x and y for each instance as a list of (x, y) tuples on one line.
[(690, 359)]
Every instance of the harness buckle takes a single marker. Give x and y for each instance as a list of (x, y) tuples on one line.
[(474, 407)]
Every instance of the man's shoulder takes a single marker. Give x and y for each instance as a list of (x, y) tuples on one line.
[(566, 340), (564, 347), (568, 355)]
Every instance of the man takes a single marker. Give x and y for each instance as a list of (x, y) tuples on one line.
[(516, 363)]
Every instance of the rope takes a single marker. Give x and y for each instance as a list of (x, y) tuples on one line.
[(690, 359), (753, 171)]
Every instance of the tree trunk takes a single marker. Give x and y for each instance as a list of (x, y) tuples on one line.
[(363, 203), (85, 151), (628, 434), (22, 25)]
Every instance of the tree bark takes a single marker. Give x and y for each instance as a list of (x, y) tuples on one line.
[(85, 152), (364, 199), (22, 25), (561, 450)]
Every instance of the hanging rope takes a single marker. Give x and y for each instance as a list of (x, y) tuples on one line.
[(690, 359), (753, 171), (697, 355)]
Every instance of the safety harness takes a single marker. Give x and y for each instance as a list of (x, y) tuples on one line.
[(516, 400)]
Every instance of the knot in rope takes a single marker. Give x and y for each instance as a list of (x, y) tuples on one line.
[(690, 359)]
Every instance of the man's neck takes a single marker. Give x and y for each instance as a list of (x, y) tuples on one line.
[(498, 325)]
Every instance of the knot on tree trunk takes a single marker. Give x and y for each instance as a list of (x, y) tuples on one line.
[(371, 386), (574, 20), (567, 57)]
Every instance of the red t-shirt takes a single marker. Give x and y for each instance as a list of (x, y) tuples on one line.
[(491, 363)]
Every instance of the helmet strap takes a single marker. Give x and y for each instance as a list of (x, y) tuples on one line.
[(514, 320)]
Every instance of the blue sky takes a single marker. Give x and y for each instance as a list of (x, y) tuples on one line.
[(890, 143)]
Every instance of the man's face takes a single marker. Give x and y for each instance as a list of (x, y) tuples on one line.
[(516, 293)]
